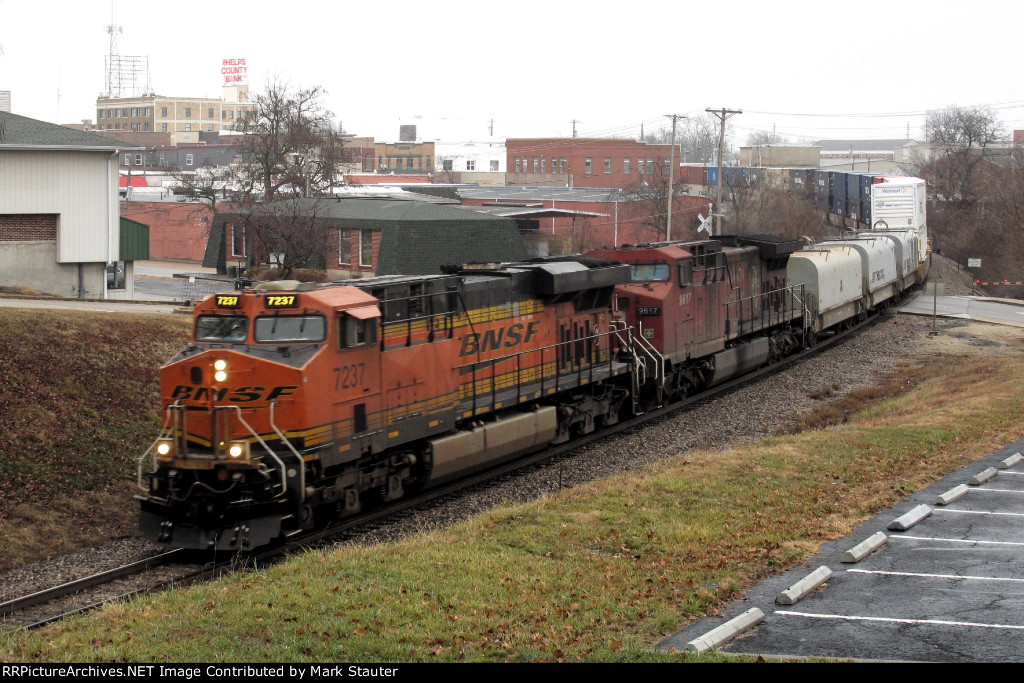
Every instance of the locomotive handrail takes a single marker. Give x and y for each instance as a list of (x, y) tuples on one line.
[(542, 375), (760, 297), (270, 451)]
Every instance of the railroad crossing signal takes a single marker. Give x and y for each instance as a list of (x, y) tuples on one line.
[(705, 223)]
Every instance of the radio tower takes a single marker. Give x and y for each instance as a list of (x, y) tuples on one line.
[(127, 76)]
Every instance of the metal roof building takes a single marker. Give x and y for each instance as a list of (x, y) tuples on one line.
[(59, 224)]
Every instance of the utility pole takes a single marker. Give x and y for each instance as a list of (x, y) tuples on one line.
[(721, 115), (574, 122), (671, 165)]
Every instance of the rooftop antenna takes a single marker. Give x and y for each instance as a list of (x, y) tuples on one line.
[(126, 76)]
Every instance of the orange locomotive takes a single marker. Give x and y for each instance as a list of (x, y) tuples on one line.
[(308, 401)]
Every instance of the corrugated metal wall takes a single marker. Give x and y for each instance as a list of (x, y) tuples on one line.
[(80, 186)]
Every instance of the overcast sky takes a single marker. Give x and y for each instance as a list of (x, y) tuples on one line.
[(811, 69)]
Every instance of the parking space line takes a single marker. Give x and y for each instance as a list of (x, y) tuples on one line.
[(934, 622), (952, 540), (935, 576), (978, 512)]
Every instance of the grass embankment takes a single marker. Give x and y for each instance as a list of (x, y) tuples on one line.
[(598, 573), (79, 402)]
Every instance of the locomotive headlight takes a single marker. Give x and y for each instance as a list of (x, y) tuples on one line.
[(220, 364), (239, 451), (165, 449), (220, 375)]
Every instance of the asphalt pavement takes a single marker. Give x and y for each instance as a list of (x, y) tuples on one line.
[(948, 589)]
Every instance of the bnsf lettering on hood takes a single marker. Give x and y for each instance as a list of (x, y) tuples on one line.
[(502, 337)]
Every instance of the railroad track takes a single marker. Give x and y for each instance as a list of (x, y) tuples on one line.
[(178, 567)]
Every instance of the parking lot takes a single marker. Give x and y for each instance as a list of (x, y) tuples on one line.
[(948, 589)]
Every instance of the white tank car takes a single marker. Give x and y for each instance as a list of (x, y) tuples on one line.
[(834, 282), (905, 242), (878, 266)]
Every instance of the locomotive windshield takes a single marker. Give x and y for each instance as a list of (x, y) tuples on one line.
[(649, 272), (290, 328), (222, 328)]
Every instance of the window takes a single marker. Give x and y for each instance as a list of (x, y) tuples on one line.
[(209, 113), (290, 328), (138, 160), (543, 167), (366, 247), (607, 164), (163, 112), (536, 165), (517, 166), (223, 114), (625, 166), (588, 166), (666, 162), (470, 165), (163, 127), (408, 162), (188, 127), (188, 112), (561, 164), (218, 328), (650, 165), (127, 159), (344, 247), (494, 164), (237, 233), (640, 166), (446, 165), (210, 128), (649, 272), (352, 332), (188, 159)]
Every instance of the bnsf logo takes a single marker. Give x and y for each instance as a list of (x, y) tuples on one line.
[(502, 337), (183, 392)]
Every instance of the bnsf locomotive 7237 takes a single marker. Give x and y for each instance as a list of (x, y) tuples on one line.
[(303, 402)]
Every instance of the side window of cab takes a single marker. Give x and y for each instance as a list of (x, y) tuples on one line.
[(686, 273), (354, 332)]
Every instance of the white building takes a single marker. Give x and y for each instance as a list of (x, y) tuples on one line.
[(481, 162), (59, 222)]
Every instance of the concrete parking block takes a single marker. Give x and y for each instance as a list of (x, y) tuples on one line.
[(797, 591), (954, 494), (726, 632), (984, 476), (1010, 462), (864, 548), (910, 519)]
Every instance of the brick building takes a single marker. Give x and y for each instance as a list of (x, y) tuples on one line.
[(583, 162), (369, 236)]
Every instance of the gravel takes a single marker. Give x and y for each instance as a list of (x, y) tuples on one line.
[(749, 413)]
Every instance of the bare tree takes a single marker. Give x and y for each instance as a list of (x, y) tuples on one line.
[(290, 233), (961, 139), (647, 199), (698, 138), (764, 137), (291, 142)]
